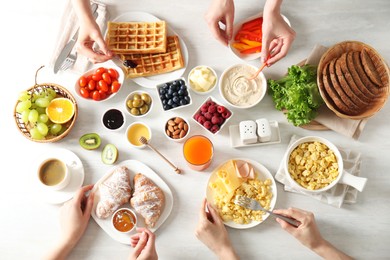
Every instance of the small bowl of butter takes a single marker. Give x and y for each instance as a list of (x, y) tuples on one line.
[(202, 79)]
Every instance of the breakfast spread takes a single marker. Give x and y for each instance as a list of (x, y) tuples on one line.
[(137, 37), (114, 192), (237, 177), (238, 89), (148, 199), (149, 64)]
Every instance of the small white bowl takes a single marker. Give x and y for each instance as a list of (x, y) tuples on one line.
[(134, 131), (199, 111), (131, 95), (114, 219), (106, 65), (234, 81), (116, 115), (176, 127), (237, 27), (162, 92), (342, 177), (202, 71)]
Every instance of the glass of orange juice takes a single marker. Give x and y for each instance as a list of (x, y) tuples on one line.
[(198, 151)]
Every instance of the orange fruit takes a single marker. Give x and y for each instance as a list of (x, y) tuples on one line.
[(60, 110)]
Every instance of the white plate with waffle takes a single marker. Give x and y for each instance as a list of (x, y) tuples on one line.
[(153, 81)]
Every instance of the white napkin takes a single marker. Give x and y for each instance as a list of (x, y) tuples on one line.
[(340, 193), (68, 27)]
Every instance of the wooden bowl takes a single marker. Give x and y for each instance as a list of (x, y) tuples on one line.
[(372, 103), (61, 92)]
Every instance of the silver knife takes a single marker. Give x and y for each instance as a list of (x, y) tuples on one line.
[(69, 46)]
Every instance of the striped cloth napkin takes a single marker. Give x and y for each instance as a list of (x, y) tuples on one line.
[(68, 27), (340, 193)]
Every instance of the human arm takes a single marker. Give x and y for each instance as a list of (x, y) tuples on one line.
[(74, 218), (278, 36), (308, 234), (89, 34), (221, 11), (144, 245), (212, 232)]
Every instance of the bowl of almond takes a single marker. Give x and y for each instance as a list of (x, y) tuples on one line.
[(176, 129)]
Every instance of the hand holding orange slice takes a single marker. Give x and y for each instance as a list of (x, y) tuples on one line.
[(60, 110)]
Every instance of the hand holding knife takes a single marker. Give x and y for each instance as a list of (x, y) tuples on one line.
[(69, 46)]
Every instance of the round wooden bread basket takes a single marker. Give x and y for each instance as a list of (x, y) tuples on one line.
[(24, 128), (382, 69)]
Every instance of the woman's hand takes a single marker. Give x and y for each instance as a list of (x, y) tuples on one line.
[(212, 232), (144, 245), (221, 11)]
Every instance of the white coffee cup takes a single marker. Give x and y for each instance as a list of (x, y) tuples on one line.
[(53, 174)]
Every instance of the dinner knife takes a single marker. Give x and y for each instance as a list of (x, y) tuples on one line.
[(69, 46)]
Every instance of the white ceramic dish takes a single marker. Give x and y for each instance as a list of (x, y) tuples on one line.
[(178, 140), (240, 72), (211, 88), (262, 174), (236, 28), (343, 176), (134, 167), (152, 81), (76, 172), (159, 86), (210, 98), (131, 95), (236, 142), (107, 64)]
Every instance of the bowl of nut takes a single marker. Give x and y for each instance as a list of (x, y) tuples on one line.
[(176, 128), (212, 115), (138, 103), (314, 164)]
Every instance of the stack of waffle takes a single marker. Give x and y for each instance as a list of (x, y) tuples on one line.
[(145, 48)]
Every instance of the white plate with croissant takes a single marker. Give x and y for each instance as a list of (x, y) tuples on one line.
[(131, 184)]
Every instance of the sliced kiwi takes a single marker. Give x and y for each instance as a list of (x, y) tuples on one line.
[(90, 141), (109, 154)]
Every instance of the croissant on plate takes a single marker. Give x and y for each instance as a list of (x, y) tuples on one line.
[(114, 192), (148, 199)]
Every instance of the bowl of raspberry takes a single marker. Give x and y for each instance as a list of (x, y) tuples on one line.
[(212, 115)]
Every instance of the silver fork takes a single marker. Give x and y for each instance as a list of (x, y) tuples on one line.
[(69, 61), (255, 205)]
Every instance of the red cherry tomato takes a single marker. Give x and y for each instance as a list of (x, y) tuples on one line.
[(103, 85), (96, 95), (113, 73), (89, 77), (83, 81), (115, 86), (84, 92), (103, 95), (96, 77), (91, 84), (100, 70), (107, 78)]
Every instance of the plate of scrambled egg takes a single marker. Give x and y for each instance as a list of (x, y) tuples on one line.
[(241, 177)]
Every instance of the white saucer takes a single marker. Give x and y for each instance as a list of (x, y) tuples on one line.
[(76, 170)]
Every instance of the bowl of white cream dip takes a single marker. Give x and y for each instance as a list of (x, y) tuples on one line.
[(238, 90)]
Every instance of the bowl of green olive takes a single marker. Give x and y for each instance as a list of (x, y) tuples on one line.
[(139, 103)]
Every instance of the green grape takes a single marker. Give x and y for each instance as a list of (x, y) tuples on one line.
[(24, 95), (25, 114), (42, 128), (33, 116), (35, 134), (51, 93), (23, 105), (55, 129), (43, 118), (42, 102), (41, 110)]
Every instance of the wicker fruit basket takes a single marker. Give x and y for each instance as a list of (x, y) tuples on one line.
[(348, 88), (24, 128)]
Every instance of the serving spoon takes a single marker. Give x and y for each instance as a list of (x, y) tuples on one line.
[(261, 67)]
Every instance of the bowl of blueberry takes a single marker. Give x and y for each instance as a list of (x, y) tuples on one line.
[(174, 94), (212, 115)]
